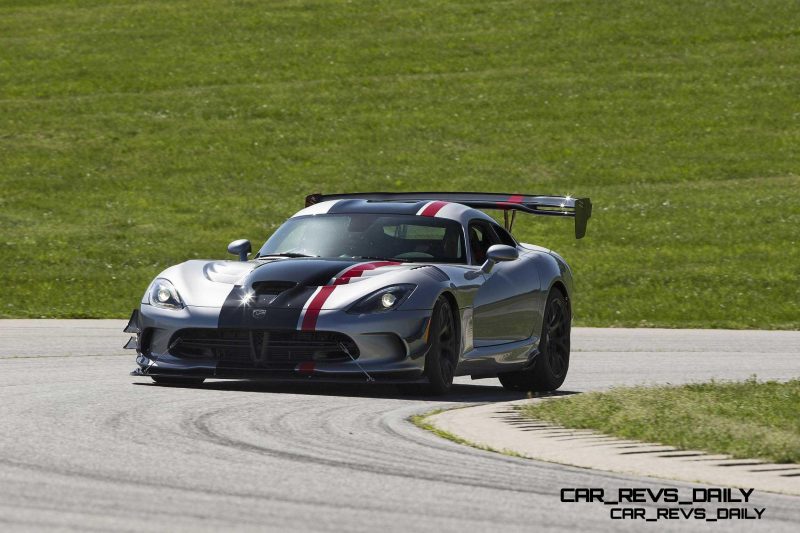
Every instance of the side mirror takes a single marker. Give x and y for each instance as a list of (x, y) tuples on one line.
[(241, 248), (498, 253)]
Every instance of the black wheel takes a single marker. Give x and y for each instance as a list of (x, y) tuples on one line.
[(442, 357), (169, 380), (550, 369)]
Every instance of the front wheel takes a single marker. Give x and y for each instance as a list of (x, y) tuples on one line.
[(442, 357), (550, 369)]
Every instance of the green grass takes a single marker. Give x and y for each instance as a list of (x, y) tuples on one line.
[(749, 419), (135, 135)]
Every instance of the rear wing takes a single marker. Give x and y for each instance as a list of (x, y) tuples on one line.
[(554, 206)]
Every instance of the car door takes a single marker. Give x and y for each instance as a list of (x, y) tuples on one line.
[(505, 304)]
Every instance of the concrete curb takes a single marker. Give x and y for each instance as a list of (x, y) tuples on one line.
[(499, 426)]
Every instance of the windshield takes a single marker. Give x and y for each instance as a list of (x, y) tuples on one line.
[(370, 236)]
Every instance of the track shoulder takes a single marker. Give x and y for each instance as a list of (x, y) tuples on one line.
[(500, 426)]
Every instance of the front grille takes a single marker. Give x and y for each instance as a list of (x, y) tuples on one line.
[(254, 348)]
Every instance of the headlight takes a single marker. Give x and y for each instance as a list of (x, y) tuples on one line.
[(163, 294), (385, 299)]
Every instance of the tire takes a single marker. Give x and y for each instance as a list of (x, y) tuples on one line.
[(552, 364), (442, 357), (168, 380)]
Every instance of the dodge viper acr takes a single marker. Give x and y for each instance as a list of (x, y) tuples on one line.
[(409, 288)]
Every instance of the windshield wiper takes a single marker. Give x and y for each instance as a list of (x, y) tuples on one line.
[(399, 260), (286, 254)]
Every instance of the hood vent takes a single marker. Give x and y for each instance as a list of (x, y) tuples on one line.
[(273, 288)]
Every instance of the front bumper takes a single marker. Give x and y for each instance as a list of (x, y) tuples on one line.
[(387, 347)]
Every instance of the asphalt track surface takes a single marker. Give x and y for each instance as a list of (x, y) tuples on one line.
[(84, 446)]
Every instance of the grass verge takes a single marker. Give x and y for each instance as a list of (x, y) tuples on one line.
[(747, 419), (422, 422), (136, 135)]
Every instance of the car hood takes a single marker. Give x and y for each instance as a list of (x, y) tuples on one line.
[(213, 283)]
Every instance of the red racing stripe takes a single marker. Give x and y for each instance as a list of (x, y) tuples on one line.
[(432, 208), (511, 202), (356, 271), (314, 307), (305, 367)]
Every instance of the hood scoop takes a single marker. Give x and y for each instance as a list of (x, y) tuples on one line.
[(226, 271)]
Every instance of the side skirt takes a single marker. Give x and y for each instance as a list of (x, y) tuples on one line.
[(488, 361)]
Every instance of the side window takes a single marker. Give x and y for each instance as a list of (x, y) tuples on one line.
[(481, 237), (504, 236)]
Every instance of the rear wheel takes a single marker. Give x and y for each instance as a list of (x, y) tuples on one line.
[(169, 380), (442, 357), (550, 369)]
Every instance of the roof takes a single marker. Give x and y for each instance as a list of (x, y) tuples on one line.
[(426, 208)]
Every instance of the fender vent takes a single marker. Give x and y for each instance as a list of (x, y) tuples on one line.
[(436, 273)]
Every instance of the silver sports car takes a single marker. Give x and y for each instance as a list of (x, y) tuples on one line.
[(409, 288)]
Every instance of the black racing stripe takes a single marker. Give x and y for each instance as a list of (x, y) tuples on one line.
[(309, 272), (387, 208), (284, 311), (236, 313)]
